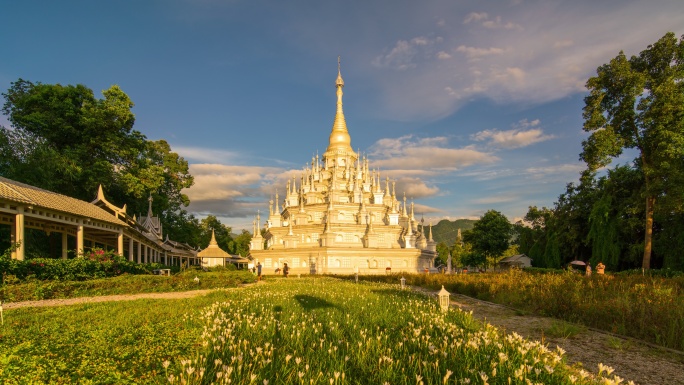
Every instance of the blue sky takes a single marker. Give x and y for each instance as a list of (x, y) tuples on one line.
[(468, 105)]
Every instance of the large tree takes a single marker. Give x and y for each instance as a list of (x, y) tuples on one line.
[(638, 103), (66, 140), (490, 236)]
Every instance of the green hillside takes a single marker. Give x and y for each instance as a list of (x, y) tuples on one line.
[(445, 231)]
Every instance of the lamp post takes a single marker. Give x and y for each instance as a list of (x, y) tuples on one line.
[(443, 296), (403, 283), (356, 277)]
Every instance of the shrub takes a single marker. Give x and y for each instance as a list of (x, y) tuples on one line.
[(96, 263)]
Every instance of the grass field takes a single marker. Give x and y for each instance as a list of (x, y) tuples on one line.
[(295, 331), (644, 307)]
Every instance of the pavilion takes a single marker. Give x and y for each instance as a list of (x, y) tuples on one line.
[(91, 224)]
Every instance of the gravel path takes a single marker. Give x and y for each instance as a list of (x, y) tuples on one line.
[(646, 364)]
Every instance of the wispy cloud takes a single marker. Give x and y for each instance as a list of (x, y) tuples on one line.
[(424, 154), (203, 154), (516, 57), (475, 17), (488, 200), (564, 170), (522, 136), (406, 53), (474, 53)]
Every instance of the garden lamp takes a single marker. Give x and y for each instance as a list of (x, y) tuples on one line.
[(403, 283), (443, 299)]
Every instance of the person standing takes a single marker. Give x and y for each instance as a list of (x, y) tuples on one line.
[(258, 269), (286, 269)]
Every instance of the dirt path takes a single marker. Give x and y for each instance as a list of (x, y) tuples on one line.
[(108, 298), (632, 359)]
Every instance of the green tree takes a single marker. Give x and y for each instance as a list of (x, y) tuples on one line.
[(221, 232), (241, 243), (442, 254), (638, 103), (615, 221), (531, 234), (66, 140), (85, 139), (490, 236)]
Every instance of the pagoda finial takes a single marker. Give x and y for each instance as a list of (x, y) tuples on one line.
[(339, 82), (149, 208), (213, 238), (340, 141), (430, 239)]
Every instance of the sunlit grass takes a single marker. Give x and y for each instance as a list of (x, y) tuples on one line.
[(328, 331), (643, 307), (562, 329)]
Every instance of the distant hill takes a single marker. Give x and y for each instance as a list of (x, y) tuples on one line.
[(445, 231)]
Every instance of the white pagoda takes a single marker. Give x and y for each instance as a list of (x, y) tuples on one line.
[(338, 218)]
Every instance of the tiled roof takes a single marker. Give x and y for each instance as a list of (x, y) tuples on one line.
[(26, 194), (213, 251)]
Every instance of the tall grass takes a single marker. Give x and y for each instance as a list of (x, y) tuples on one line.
[(644, 307), (326, 331), (99, 343)]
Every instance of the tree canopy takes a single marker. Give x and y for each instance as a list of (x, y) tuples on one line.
[(64, 139), (638, 103), (490, 236)]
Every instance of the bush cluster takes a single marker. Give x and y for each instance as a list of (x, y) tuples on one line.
[(96, 263)]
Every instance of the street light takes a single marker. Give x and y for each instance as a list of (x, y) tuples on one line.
[(443, 296)]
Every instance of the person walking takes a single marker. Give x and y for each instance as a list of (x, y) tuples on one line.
[(258, 269), (286, 269)]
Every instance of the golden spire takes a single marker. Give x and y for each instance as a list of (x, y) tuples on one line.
[(340, 141)]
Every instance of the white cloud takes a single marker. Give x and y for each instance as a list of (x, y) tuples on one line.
[(511, 138), (201, 154), (525, 55), (406, 54), (425, 154), (475, 16), (474, 53), (563, 43), (563, 170), (495, 199), (415, 188), (497, 23), (443, 55)]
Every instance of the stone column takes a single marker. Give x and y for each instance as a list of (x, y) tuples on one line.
[(79, 238), (65, 251), (19, 236), (147, 253), (138, 258), (119, 243), (130, 249)]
